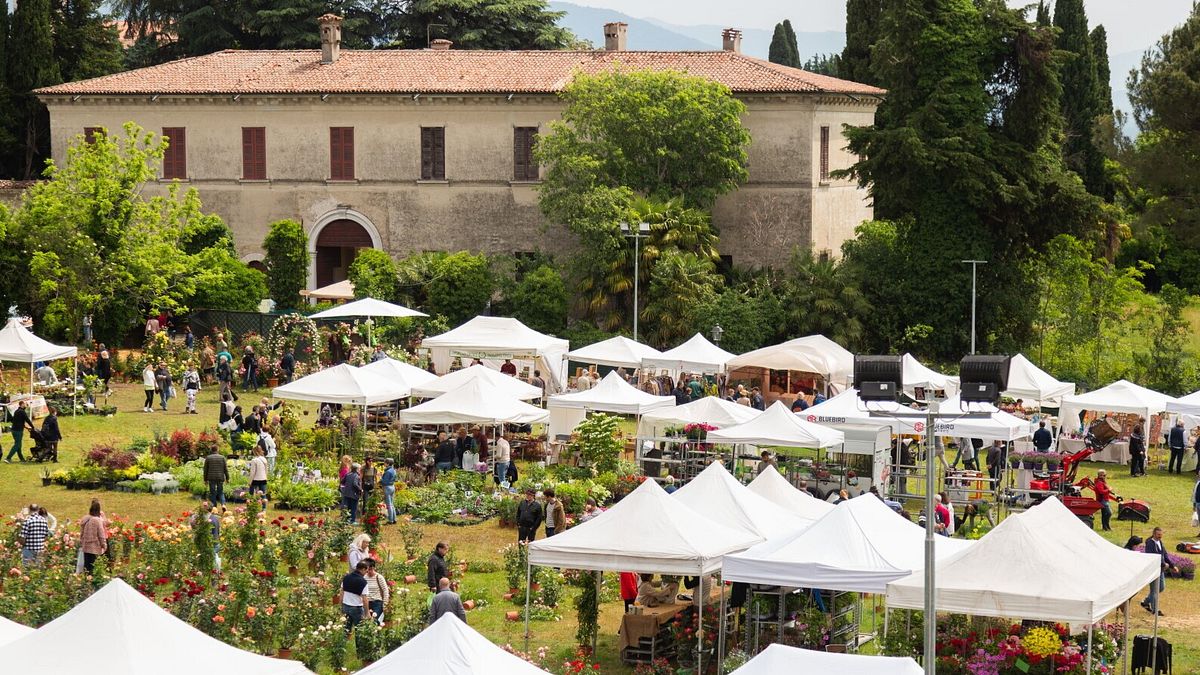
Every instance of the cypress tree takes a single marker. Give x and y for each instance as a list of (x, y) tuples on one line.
[(1104, 97), (1043, 14), (778, 51), (31, 65), (793, 48), (3, 42), (862, 31), (1079, 103)]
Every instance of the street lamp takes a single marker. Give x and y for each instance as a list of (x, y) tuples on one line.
[(974, 266), (642, 231), (717, 332)]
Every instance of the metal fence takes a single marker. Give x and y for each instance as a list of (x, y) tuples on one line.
[(203, 321)]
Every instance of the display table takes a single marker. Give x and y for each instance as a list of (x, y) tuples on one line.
[(645, 626), (1117, 452)]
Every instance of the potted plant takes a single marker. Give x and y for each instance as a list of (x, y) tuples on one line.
[(45, 477)]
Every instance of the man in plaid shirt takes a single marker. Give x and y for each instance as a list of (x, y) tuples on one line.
[(34, 533)]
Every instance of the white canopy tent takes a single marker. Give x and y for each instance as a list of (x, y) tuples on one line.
[(697, 355), (718, 495), (11, 631), (117, 631), (777, 425), (859, 546), (511, 386), (495, 337), (1043, 564), (812, 354), (450, 647), (712, 410), (399, 372), (917, 375), (343, 384), (617, 352), (475, 402), (19, 344), (777, 659), (771, 485), (1186, 405), (1121, 396), (1034, 385), (612, 394), (846, 412), (999, 426)]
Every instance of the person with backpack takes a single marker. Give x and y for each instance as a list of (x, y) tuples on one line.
[(351, 490)]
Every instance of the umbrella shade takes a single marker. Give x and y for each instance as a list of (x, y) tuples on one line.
[(369, 307), (342, 290)]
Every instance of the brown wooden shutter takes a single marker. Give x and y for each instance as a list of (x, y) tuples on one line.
[(525, 167), (341, 153), (433, 153), (90, 133), (175, 159), (254, 153), (824, 153)]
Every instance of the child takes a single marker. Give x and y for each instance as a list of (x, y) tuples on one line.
[(191, 384)]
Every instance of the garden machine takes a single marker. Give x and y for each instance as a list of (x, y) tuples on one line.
[(1099, 435)]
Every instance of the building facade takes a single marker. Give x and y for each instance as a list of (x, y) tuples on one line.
[(423, 150)]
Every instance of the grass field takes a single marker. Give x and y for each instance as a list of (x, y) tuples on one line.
[(20, 484)]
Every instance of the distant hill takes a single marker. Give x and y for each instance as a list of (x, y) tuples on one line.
[(1120, 65), (588, 23)]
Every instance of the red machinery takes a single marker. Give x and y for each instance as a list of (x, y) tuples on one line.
[(1099, 435), (1080, 505)]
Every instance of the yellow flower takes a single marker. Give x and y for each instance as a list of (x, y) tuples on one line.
[(1041, 642)]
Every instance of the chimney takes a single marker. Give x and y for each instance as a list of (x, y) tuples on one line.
[(615, 36), (731, 40), (331, 37), (441, 45)]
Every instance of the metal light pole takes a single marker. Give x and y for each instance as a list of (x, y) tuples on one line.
[(643, 231), (974, 266), (930, 519)]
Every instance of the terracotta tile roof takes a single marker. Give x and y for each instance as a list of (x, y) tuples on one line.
[(425, 71)]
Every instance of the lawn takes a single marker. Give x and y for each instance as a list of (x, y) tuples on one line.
[(20, 484)]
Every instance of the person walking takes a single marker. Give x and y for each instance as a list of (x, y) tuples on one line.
[(369, 477), (556, 515), (191, 387), (352, 490), (287, 365), (503, 455), (388, 482), (150, 384), (87, 329), (529, 517), (446, 601), (378, 594), (104, 368), (51, 434), (1196, 502), (435, 566), (1155, 546), (216, 474), (1105, 496), (34, 532), (1042, 440), (354, 586), (1137, 450), (1177, 442), (225, 377), (189, 340), (249, 370), (259, 472), (162, 378), (20, 422), (93, 535)]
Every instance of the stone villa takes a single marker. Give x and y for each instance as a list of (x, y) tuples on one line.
[(419, 150)]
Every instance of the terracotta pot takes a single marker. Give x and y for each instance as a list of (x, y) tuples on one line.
[(292, 570), (535, 587), (512, 616), (345, 557), (469, 604), (410, 579), (285, 653), (272, 382), (513, 591), (508, 596)]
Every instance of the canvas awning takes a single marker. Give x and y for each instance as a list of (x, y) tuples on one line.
[(777, 425), (475, 402), (617, 352), (399, 372), (697, 355), (11, 630), (998, 426), (1121, 396), (450, 647), (916, 375), (1042, 565), (612, 394), (1186, 405), (496, 338), (343, 384), (18, 343), (118, 631), (368, 307), (777, 659), (507, 384), (718, 495), (812, 354), (342, 290), (712, 410), (1034, 385), (771, 485)]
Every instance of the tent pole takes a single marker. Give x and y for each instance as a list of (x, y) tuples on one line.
[(74, 384), (886, 615), (700, 627), (1089, 661), (1125, 650), (721, 629), (1154, 639), (596, 633), (528, 582)]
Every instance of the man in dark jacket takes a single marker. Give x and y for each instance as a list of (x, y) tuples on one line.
[(1042, 440), (287, 365), (1177, 442), (446, 453), (435, 567), (1155, 546), (20, 422), (51, 434), (216, 473), (351, 490), (529, 517)]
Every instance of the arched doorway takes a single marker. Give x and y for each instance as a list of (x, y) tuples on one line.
[(337, 244)]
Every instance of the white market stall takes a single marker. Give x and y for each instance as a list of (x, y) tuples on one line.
[(494, 338), (475, 402), (612, 394), (712, 410), (19, 344), (450, 647), (697, 355), (1186, 405), (778, 426), (406, 375), (371, 309), (617, 352), (998, 426), (777, 659), (771, 485), (1121, 396), (813, 354), (11, 631), (917, 376), (511, 386), (646, 532), (1034, 385), (342, 384), (715, 493), (1042, 565), (661, 445), (117, 631)]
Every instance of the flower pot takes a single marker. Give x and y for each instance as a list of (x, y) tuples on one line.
[(535, 587), (272, 382), (45, 482), (285, 653), (513, 591), (508, 596), (468, 604), (292, 570), (512, 616), (345, 557), (410, 579)]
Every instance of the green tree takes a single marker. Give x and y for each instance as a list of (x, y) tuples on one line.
[(1079, 103), (1104, 97), (751, 315), (779, 51), (862, 31), (540, 300), (31, 64), (823, 299), (286, 259), (373, 274), (824, 64), (680, 283), (228, 283), (461, 286), (85, 44), (483, 24), (792, 44), (1167, 364), (1042, 17)]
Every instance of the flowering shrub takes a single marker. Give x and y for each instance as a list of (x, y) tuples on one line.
[(987, 647), (300, 334)]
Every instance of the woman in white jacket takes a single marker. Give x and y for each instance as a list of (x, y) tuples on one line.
[(149, 383)]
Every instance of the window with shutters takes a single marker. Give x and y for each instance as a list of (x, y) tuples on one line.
[(433, 153), (254, 153), (525, 167), (175, 158), (824, 154), (91, 133), (341, 153)]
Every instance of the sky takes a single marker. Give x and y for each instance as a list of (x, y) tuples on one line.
[(1132, 24)]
